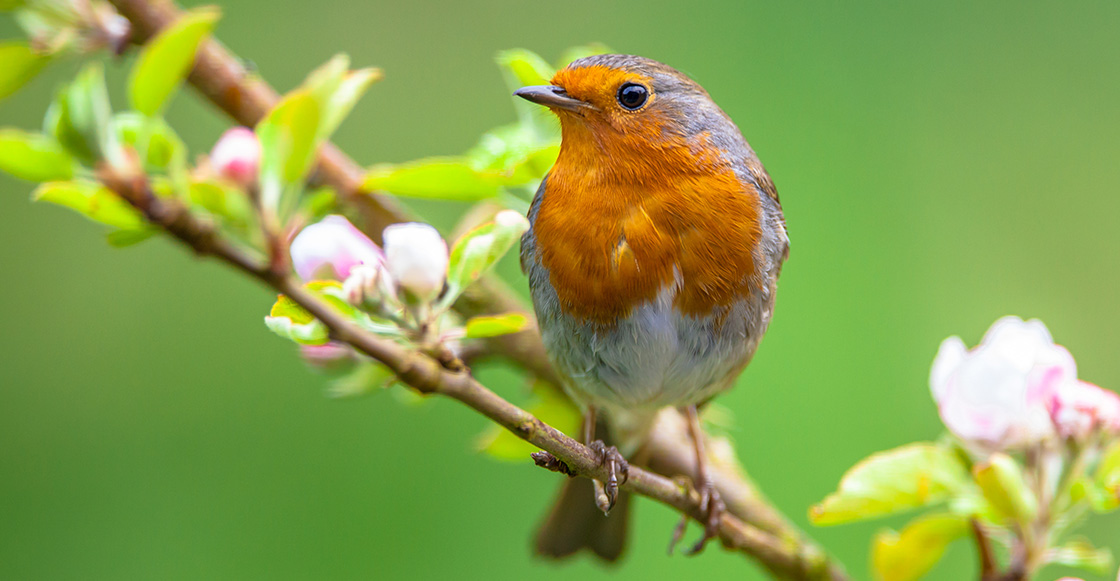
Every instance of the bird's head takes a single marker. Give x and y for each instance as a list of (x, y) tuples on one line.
[(630, 108)]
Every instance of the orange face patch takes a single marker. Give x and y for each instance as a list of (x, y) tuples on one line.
[(598, 84)]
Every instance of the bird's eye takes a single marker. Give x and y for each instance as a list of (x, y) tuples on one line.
[(632, 96)]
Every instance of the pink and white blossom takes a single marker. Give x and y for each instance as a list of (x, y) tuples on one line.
[(1079, 408), (997, 396), (331, 248), (237, 156), (416, 256)]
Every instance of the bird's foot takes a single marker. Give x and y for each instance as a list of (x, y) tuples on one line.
[(606, 493), (711, 507), (549, 462)]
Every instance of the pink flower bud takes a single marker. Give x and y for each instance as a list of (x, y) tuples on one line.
[(237, 156), (416, 257), (996, 396), (331, 356), (331, 248), (1080, 408)]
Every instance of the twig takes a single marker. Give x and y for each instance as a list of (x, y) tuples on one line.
[(988, 570), (989, 567)]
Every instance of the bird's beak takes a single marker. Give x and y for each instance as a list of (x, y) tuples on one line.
[(551, 96)]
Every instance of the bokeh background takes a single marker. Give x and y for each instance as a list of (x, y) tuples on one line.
[(941, 165)]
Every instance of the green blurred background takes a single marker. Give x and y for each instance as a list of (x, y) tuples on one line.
[(941, 165)]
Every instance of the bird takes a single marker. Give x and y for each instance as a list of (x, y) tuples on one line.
[(654, 249)]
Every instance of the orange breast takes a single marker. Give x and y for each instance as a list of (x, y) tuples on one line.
[(619, 221)]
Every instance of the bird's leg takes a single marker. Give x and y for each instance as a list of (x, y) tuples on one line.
[(710, 503), (589, 420), (606, 493)]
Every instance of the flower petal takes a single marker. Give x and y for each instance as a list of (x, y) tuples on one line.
[(416, 257), (331, 248), (949, 356)]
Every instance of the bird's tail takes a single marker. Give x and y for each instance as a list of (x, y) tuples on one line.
[(575, 523)]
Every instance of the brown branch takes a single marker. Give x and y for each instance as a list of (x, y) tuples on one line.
[(988, 571), (785, 559), (989, 567), (756, 527)]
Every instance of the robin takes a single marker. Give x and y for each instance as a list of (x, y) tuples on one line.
[(653, 257)]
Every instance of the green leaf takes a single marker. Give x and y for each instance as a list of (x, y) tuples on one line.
[(521, 67), (493, 326), (151, 135), (317, 204), (288, 145), (407, 396), (368, 377), (34, 156), (516, 153), (325, 80), (20, 65), (79, 118), (478, 250), (524, 67), (210, 196), (331, 291), (218, 199), (163, 187), (549, 405), (1001, 481), (905, 478), (536, 162), (446, 178), (291, 310), (353, 86), (499, 148), (291, 321), (338, 90), (292, 132), (1108, 470), (124, 238), (61, 124), (1103, 489), (165, 61), (9, 5), (1082, 554), (93, 201), (909, 555)]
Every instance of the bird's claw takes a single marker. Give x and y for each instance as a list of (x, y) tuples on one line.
[(711, 507), (606, 493)]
